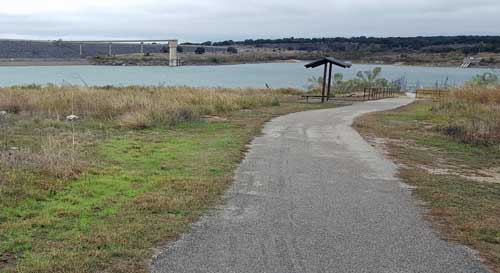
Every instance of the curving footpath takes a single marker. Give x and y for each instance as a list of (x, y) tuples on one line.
[(313, 196)]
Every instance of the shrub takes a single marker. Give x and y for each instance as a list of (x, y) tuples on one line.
[(232, 50), (136, 120), (199, 50)]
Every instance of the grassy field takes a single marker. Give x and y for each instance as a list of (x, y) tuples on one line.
[(449, 149), (136, 167)]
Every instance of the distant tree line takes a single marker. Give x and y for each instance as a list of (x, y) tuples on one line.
[(433, 44)]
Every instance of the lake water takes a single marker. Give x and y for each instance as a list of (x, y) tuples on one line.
[(245, 75)]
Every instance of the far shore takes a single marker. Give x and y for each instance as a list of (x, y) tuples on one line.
[(35, 62), (85, 62)]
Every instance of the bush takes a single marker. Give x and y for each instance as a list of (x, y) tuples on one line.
[(232, 50), (199, 50)]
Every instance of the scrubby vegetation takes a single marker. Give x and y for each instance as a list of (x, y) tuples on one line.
[(363, 79), (91, 179), (472, 115)]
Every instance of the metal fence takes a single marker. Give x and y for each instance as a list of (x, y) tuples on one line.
[(431, 93)]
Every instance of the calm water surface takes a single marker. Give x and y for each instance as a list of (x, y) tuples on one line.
[(245, 75)]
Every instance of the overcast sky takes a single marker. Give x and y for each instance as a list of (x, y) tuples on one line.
[(201, 20)]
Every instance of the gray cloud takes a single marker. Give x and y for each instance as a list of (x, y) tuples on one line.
[(238, 19)]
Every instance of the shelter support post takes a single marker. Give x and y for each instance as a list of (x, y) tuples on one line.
[(328, 63), (324, 84), (329, 82)]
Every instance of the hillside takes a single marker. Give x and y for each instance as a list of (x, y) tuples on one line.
[(430, 51), (64, 50)]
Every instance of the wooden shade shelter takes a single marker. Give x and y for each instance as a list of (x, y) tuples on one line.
[(328, 63)]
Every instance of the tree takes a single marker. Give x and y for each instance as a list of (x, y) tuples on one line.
[(207, 43), (232, 50), (180, 49), (369, 78), (200, 50), (315, 84), (58, 42), (225, 43), (337, 79)]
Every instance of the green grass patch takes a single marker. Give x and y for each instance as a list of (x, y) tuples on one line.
[(140, 189)]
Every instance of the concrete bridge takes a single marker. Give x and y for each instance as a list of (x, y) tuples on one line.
[(172, 44)]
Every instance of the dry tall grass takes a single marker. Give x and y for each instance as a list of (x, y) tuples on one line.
[(134, 107), (473, 114), (53, 150), (55, 157)]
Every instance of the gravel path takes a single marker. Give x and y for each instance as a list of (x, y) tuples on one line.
[(313, 196)]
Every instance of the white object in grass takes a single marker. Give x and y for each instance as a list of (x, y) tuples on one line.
[(72, 117)]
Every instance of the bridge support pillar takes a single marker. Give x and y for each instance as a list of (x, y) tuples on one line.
[(173, 59), (81, 51), (110, 52), (142, 47)]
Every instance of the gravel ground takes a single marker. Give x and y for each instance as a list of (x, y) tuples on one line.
[(313, 196)]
